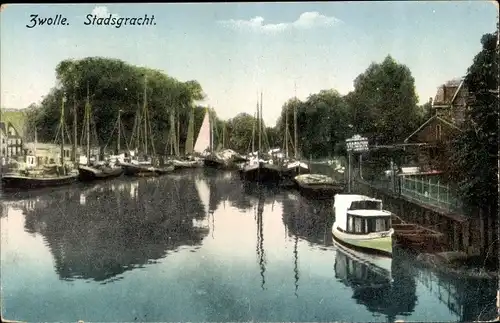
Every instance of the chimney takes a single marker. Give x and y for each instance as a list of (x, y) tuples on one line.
[(444, 94), (430, 100)]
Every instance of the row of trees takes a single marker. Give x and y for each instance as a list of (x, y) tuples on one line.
[(383, 106), (114, 85)]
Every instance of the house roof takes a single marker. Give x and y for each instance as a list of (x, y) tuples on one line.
[(448, 93), (4, 127), (435, 117)]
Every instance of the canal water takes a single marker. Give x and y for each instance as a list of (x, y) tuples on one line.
[(202, 246)]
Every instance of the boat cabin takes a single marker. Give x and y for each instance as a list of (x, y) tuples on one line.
[(358, 214)]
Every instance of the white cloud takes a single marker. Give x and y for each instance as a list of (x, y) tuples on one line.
[(103, 12), (306, 20)]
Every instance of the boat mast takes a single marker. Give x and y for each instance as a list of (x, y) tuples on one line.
[(119, 130), (190, 134), (178, 141), (87, 123), (259, 122), (223, 134), (253, 131), (211, 127), (296, 151), (75, 132), (144, 106), (286, 131), (62, 131), (35, 144)]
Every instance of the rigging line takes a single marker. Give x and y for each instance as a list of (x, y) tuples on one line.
[(67, 133), (124, 136), (57, 133), (112, 132)]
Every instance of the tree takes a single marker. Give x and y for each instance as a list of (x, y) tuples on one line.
[(114, 85), (322, 122), (475, 151), (383, 105), (240, 129)]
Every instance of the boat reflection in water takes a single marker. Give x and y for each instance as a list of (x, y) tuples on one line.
[(110, 233), (379, 283)]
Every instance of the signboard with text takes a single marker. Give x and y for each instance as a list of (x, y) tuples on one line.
[(357, 144)]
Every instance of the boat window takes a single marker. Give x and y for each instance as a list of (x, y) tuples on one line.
[(358, 225), (378, 224), (350, 224), (366, 205)]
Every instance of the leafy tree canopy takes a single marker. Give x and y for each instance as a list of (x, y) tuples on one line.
[(474, 153)]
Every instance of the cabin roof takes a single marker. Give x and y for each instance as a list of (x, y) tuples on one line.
[(349, 198), (441, 119), (370, 213)]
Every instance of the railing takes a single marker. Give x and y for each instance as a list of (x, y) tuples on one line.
[(428, 190), (425, 189)]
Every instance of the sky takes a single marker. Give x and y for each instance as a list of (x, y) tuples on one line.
[(236, 50)]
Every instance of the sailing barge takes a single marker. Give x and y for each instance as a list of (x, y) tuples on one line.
[(147, 166), (89, 172), (47, 176), (258, 169)]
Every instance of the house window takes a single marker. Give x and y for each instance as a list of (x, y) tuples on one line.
[(438, 132)]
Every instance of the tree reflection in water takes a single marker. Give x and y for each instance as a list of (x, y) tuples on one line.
[(117, 229)]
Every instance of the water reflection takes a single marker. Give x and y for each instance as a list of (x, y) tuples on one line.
[(222, 250), (381, 284), (260, 238), (109, 232)]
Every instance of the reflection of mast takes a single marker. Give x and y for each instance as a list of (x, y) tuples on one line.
[(295, 264), (260, 239)]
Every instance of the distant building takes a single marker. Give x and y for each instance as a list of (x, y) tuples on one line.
[(11, 142), (47, 153), (433, 135)]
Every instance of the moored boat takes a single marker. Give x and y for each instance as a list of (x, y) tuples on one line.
[(213, 161), (257, 170), (361, 223), (181, 164), (145, 170), (12, 181), (293, 168), (46, 176), (90, 173), (317, 185)]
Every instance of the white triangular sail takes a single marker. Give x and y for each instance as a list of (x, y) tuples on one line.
[(203, 139)]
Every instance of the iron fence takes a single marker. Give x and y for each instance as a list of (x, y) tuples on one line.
[(429, 190)]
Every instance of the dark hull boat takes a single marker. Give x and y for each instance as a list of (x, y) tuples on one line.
[(15, 181), (183, 164), (317, 186), (262, 173), (164, 170), (214, 162), (89, 173), (293, 169), (139, 170)]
